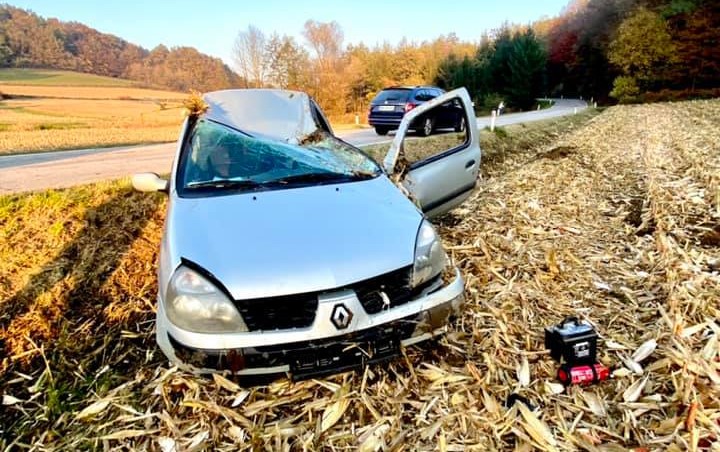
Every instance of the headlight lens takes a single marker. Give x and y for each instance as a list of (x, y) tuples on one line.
[(430, 257), (193, 303)]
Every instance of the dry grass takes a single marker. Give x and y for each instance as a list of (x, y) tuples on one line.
[(89, 92), (51, 118), (54, 124), (617, 222)]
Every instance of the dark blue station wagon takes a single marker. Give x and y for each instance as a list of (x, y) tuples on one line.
[(390, 105)]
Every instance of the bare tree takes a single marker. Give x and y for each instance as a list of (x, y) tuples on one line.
[(326, 39), (250, 56)]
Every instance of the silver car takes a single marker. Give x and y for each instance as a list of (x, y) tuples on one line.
[(288, 250)]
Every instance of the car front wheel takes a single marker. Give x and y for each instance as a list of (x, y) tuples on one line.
[(427, 127), (381, 130)]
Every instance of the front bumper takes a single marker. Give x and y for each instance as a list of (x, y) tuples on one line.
[(321, 348)]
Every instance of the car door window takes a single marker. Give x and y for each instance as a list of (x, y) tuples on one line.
[(423, 95), (319, 117), (440, 171)]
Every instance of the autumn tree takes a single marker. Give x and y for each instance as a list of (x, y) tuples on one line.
[(286, 62), (250, 56), (327, 84), (6, 52), (695, 31), (578, 45), (643, 48), (361, 84), (560, 40)]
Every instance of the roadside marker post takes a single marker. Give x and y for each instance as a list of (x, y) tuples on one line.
[(492, 120)]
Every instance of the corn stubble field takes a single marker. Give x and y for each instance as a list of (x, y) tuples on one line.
[(613, 217)]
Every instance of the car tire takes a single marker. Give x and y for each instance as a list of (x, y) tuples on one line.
[(460, 126), (427, 127), (381, 130)]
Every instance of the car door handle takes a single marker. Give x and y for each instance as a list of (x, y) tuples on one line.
[(470, 164)]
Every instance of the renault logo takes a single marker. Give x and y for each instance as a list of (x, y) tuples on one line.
[(341, 316)]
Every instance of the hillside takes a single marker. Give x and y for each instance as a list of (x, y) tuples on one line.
[(615, 220), (40, 77), (30, 41)]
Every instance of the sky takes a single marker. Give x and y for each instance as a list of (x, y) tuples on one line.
[(212, 26)]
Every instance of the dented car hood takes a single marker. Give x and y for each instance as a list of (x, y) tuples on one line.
[(298, 240), (274, 114)]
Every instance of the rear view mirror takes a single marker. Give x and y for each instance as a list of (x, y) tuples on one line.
[(149, 182)]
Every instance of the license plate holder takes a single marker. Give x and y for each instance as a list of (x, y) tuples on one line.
[(343, 357)]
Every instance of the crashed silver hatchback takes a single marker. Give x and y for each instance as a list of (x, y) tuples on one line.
[(288, 250)]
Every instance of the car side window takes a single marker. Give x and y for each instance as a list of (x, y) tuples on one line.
[(424, 95), (319, 117)]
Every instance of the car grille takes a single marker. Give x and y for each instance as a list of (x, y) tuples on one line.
[(298, 311), (279, 313), (396, 285)]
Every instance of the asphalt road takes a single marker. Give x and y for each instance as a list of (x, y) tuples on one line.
[(40, 171)]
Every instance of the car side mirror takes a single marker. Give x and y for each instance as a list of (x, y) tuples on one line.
[(149, 182)]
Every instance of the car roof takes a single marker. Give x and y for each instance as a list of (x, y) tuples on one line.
[(411, 87), (271, 113)]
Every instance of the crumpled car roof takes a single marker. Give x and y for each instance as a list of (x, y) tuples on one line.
[(266, 113)]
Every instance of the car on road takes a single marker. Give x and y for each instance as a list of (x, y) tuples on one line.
[(288, 250), (390, 105)]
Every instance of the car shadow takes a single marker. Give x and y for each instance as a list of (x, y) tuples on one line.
[(64, 307)]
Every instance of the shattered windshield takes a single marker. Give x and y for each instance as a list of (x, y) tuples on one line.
[(218, 156)]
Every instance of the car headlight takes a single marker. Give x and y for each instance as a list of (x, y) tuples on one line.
[(194, 304), (430, 257)]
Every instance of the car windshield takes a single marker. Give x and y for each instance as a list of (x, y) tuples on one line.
[(392, 95), (219, 157)]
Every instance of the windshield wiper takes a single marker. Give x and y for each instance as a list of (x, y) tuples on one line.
[(321, 177), (225, 183)]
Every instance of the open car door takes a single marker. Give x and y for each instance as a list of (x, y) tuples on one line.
[(440, 172)]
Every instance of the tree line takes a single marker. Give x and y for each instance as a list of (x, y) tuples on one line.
[(634, 50), (28, 40), (607, 50), (343, 79), (604, 50)]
